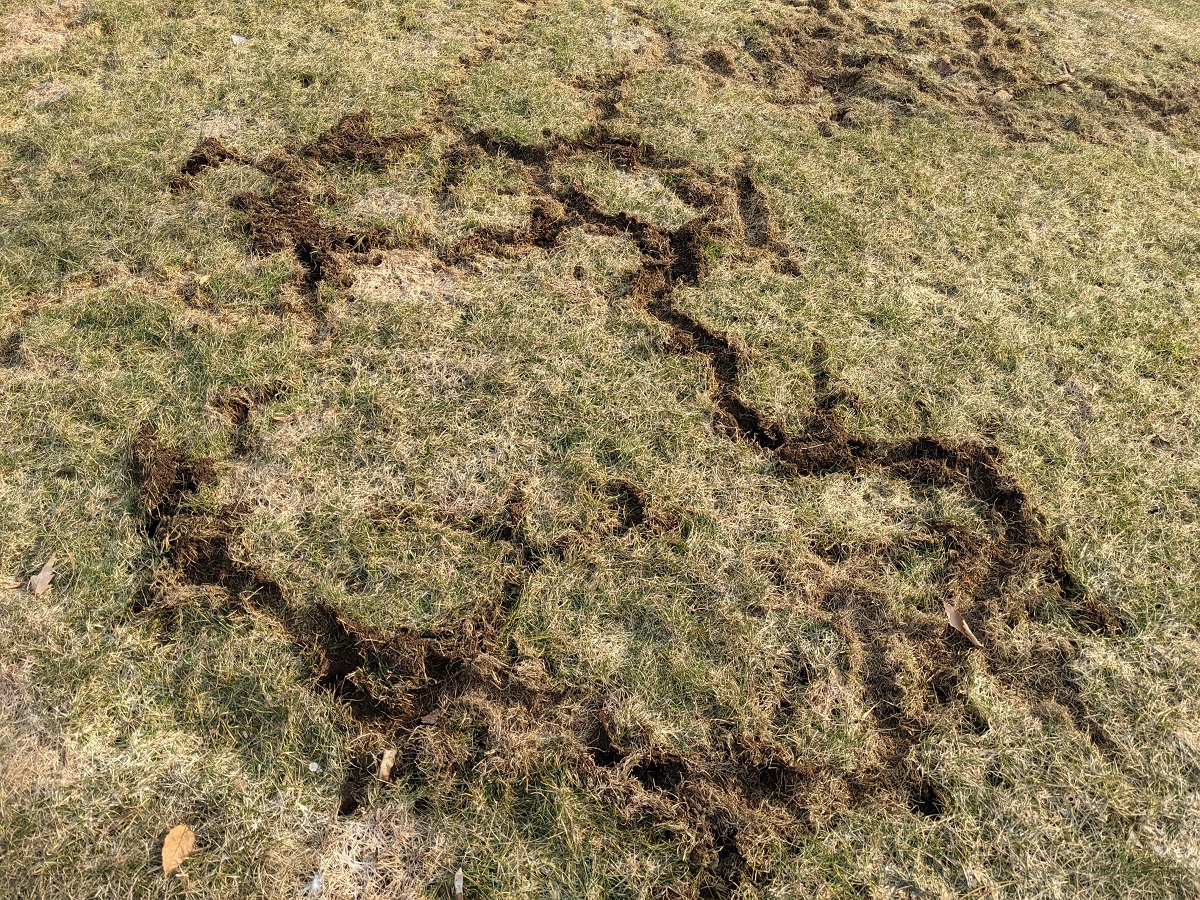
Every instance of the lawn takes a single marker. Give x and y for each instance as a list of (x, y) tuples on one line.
[(618, 449)]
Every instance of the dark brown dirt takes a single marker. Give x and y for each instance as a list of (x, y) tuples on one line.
[(12, 351), (758, 225), (719, 61), (287, 219), (352, 140), (630, 502), (755, 212), (635, 511), (387, 682), (288, 216), (164, 478), (235, 404), (722, 790), (209, 154)]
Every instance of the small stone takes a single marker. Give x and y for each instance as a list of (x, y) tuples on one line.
[(387, 763)]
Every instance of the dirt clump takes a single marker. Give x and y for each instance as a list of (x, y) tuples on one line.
[(287, 219), (635, 510), (755, 212), (235, 403), (12, 350), (164, 477), (352, 140), (209, 154), (630, 502), (719, 61)]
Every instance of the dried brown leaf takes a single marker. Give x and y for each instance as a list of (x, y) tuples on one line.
[(959, 624), (179, 844), (11, 584), (40, 583)]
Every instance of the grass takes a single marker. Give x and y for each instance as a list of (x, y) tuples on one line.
[(676, 667)]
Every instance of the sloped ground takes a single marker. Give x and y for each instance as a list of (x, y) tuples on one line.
[(542, 438)]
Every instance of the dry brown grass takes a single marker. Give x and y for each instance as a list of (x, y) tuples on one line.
[(38, 30)]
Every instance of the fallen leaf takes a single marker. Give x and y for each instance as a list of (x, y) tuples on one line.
[(11, 584), (40, 583), (944, 66), (458, 885), (1002, 96), (180, 842), (387, 764), (430, 719), (959, 624)]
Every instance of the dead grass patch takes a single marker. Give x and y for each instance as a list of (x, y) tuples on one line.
[(38, 30)]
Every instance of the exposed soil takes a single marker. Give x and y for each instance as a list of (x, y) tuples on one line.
[(630, 502), (12, 350), (636, 511), (755, 212), (413, 690), (289, 216), (352, 140), (234, 404), (164, 478), (209, 154)]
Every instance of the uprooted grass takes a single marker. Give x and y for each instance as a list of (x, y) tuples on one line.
[(513, 497)]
